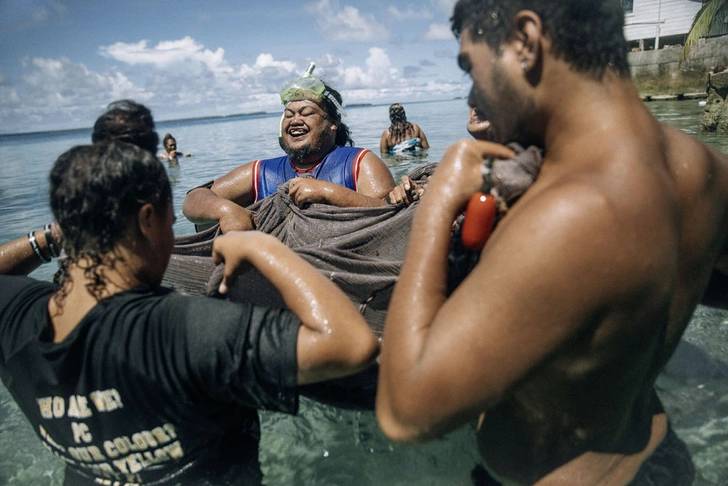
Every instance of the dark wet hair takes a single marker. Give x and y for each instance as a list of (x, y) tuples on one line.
[(588, 34), (400, 127), (127, 121), (96, 192), (167, 137), (343, 136)]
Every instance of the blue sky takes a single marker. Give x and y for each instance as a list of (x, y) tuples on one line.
[(63, 61)]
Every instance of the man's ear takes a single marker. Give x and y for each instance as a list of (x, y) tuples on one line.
[(528, 32), (147, 220)]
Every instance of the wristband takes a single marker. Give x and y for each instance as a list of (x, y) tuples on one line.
[(54, 250), (36, 248)]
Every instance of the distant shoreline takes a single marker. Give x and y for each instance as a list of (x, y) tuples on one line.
[(265, 114), (255, 114)]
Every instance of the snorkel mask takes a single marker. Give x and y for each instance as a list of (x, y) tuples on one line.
[(308, 87)]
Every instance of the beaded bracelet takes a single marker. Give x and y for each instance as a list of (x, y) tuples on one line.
[(55, 251), (36, 248)]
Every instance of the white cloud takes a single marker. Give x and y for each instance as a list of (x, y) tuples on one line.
[(378, 73), (411, 13), (58, 93), (438, 32), (167, 54), (61, 83), (52, 93), (345, 24)]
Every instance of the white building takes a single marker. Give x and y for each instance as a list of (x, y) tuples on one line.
[(650, 23)]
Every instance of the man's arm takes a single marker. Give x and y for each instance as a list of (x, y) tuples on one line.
[(374, 183), (23, 255), (334, 339), (224, 202)]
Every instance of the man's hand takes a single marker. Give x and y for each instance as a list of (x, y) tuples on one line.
[(459, 174), (407, 192), (304, 190)]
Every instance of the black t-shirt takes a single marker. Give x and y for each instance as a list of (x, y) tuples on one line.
[(150, 385)]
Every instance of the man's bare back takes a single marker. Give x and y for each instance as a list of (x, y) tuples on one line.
[(667, 195)]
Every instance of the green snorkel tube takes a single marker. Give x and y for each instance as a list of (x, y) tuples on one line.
[(307, 87)]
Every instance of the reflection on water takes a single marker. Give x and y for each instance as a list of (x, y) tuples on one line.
[(324, 445)]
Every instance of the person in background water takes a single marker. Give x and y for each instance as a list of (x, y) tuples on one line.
[(129, 382), (556, 337), (318, 166), (402, 136), (170, 153)]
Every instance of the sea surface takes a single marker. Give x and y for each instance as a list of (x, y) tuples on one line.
[(325, 445)]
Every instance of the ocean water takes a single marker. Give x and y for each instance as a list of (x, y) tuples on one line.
[(324, 445)]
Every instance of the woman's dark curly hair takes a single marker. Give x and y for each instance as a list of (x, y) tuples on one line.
[(400, 127), (96, 192), (127, 121), (588, 34)]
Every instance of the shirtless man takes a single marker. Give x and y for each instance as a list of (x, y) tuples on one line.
[(319, 166), (580, 296)]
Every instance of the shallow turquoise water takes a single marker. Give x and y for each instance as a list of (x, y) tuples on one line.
[(325, 445)]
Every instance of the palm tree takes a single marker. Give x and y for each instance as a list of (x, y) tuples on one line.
[(712, 12)]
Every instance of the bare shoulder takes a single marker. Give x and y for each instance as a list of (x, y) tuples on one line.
[(690, 158), (236, 183), (375, 179), (372, 163), (581, 226)]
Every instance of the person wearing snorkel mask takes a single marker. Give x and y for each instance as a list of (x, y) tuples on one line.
[(321, 164)]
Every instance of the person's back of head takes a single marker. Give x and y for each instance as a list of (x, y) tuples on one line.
[(397, 114), (127, 121), (588, 34), (400, 129), (96, 192)]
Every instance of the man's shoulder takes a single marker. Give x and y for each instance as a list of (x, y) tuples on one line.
[(348, 149)]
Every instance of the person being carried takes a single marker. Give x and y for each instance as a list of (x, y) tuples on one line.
[(581, 294), (128, 382), (402, 136), (318, 166), (171, 154)]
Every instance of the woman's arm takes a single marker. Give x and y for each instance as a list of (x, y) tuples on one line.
[(384, 142), (423, 137), (334, 339), (23, 255)]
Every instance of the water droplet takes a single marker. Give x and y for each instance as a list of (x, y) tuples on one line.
[(326, 453)]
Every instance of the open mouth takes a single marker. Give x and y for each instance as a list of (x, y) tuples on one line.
[(297, 132)]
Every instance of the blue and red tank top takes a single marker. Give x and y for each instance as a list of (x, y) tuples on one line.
[(340, 166)]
